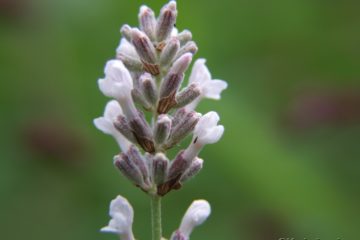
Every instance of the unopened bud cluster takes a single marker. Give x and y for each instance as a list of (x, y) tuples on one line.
[(147, 75)]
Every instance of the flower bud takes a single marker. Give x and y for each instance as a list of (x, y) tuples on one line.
[(187, 95), (133, 64), (162, 129), (135, 156), (142, 133), (169, 52), (179, 116), (147, 21), (181, 64), (122, 125), (129, 169), (183, 128), (189, 47), (126, 32), (143, 46), (166, 21), (172, 82), (148, 86), (168, 90), (159, 168), (193, 170), (178, 166), (184, 37), (140, 99)]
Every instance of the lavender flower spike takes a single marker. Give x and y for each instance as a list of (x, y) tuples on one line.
[(153, 112), (122, 216), (106, 124), (209, 88)]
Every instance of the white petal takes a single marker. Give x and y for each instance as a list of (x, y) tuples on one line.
[(213, 135), (112, 110), (213, 89), (126, 48), (174, 32), (104, 125), (117, 82), (109, 229), (196, 214), (206, 130), (122, 217), (207, 121), (200, 73), (116, 70), (122, 206)]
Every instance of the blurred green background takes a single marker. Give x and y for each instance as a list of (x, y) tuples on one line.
[(287, 166)]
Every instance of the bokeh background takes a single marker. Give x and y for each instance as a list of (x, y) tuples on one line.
[(287, 166)]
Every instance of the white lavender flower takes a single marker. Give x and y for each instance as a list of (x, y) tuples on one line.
[(106, 124), (126, 48), (210, 88), (207, 131), (122, 216), (117, 82), (196, 215)]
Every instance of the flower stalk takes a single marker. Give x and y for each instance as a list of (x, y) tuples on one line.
[(149, 75), (156, 217)]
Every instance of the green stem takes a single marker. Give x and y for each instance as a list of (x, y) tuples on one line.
[(156, 217)]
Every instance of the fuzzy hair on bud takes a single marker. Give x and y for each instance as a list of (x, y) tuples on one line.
[(183, 128), (169, 52), (135, 156), (139, 97), (172, 82), (149, 89), (122, 125), (189, 47), (184, 37), (166, 21), (142, 133), (193, 170), (162, 129), (178, 166), (187, 95), (159, 168), (126, 32), (147, 21), (129, 169), (143, 46)]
